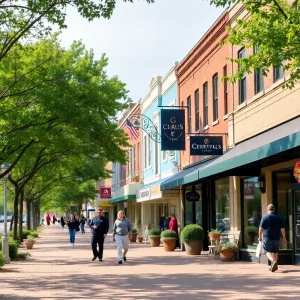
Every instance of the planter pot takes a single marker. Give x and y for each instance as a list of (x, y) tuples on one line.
[(193, 247), (251, 239), (28, 244), (214, 237), (133, 237), (154, 241), (169, 245), (140, 239), (227, 255)]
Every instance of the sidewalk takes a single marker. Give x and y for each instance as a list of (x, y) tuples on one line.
[(57, 270)]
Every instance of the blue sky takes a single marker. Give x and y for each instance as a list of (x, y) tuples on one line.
[(143, 40)]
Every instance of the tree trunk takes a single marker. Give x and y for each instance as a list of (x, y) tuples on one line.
[(28, 215), (16, 213), (21, 215)]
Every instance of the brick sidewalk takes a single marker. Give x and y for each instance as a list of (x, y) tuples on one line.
[(59, 271)]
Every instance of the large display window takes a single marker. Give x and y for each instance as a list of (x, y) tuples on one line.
[(222, 205)]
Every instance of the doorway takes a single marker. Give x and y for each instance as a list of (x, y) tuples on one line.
[(296, 221)]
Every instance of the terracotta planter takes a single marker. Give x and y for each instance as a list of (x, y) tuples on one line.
[(227, 255), (28, 244), (169, 245), (140, 239), (133, 237), (193, 247), (214, 237), (154, 241)]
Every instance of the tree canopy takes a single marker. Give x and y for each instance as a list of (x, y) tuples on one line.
[(273, 27)]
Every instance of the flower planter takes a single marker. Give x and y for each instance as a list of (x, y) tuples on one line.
[(214, 237), (140, 239), (227, 255), (154, 241), (133, 237), (28, 244), (297, 171), (169, 245), (193, 247)]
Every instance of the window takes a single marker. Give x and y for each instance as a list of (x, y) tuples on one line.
[(128, 162), (156, 157), (278, 73), (189, 114), (149, 151), (258, 77), (205, 104), (215, 97), (251, 211), (225, 91), (145, 153), (197, 111), (242, 81), (133, 162), (222, 205), (138, 159)]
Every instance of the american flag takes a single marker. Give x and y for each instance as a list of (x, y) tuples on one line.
[(133, 132)]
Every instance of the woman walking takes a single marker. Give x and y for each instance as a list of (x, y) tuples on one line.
[(173, 225), (72, 224), (62, 222), (121, 235)]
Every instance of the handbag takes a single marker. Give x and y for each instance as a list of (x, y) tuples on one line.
[(77, 229)]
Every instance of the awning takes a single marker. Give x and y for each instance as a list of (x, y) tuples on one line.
[(267, 144), (124, 193), (186, 176)]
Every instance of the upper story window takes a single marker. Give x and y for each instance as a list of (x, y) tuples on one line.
[(278, 73), (205, 104), (189, 114), (215, 98), (225, 91), (197, 111), (145, 152), (258, 77), (242, 81)]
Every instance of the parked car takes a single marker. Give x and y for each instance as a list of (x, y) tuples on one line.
[(9, 217), (1, 219)]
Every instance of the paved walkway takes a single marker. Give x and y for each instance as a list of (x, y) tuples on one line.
[(59, 271)]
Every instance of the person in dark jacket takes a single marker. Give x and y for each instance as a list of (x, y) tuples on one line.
[(82, 223), (62, 222), (161, 223), (99, 226), (72, 224), (167, 222)]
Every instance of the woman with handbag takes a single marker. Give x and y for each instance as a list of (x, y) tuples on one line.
[(73, 224)]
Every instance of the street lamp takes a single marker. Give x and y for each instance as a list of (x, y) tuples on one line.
[(5, 248)]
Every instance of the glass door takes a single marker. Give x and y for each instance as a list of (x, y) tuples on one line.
[(297, 226)]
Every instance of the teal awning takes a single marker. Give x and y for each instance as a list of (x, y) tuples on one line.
[(123, 198)]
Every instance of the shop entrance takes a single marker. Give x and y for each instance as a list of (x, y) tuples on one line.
[(296, 221)]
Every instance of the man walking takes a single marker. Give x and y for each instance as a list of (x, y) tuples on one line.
[(270, 228), (99, 226)]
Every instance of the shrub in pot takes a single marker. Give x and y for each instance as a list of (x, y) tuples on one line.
[(214, 235), (192, 236), (227, 251), (29, 242), (154, 237), (252, 232), (134, 234), (168, 238)]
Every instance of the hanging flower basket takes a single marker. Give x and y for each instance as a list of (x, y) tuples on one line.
[(297, 171)]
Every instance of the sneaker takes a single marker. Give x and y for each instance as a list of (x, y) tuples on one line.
[(94, 258), (100, 259), (120, 262), (124, 258)]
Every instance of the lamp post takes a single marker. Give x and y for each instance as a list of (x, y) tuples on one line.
[(5, 248)]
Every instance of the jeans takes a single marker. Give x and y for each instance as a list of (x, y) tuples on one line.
[(122, 243), (72, 233), (82, 228)]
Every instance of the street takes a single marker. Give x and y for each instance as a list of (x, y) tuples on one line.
[(57, 270)]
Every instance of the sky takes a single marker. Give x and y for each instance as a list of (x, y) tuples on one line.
[(143, 40)]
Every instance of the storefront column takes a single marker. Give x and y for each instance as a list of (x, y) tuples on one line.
[(235, 202), (267, 197)]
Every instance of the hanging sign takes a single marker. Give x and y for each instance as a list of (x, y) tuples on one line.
[(206, 145), (192, 196), (172, 129), (105, 192)]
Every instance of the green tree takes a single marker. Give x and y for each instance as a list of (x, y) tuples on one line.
[(274, 27)]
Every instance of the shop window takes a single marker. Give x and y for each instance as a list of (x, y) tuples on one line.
[(242, 81), (251, 211), (222, 205)]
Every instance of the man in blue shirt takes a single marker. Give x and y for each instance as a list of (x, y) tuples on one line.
[(270, 228)]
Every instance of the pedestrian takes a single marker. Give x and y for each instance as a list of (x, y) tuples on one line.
[(269, 232), (72, 224), (62, 222), (122, 234), (54, 219), (82, 223), (167, 222), (173, 225), (161, 223), (99, 226), (48, 219)]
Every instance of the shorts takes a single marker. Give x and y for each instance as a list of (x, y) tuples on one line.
[(271, 246)]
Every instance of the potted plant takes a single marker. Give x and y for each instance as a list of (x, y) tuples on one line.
[(138, 226), (192, 236), (154, 237), (168, 238), (29, 242), (297, 171), (227, 251), (134, 234), (214, 235), (252, 232)]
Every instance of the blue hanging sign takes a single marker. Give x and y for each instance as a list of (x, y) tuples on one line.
[(206, 145), (172, 129)]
